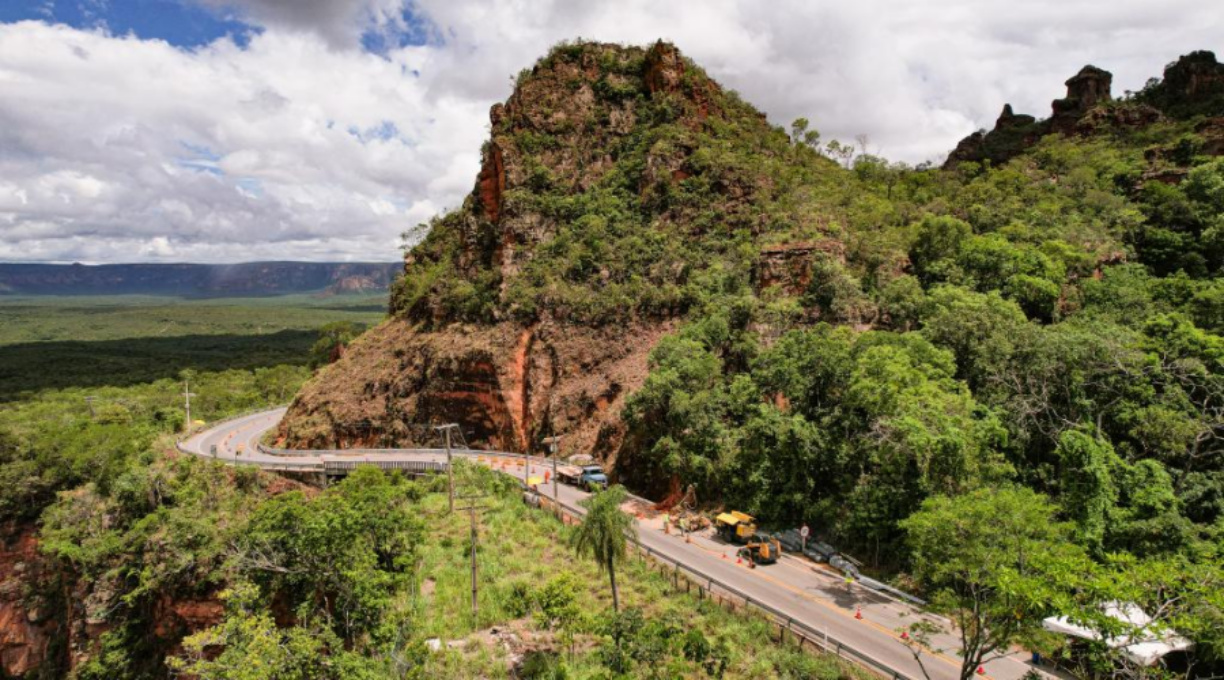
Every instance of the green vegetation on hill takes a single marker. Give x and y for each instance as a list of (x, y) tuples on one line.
[(861, 337)]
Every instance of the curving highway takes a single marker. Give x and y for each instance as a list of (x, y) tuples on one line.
[(807, 593)]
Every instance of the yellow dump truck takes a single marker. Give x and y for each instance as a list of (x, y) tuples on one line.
[(735, 526)]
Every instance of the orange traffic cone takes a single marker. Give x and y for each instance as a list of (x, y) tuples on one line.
[(981, 670), (858, 613), (739, 560), (904, 635)]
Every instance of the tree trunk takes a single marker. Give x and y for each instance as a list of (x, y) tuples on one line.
[(612, 577)]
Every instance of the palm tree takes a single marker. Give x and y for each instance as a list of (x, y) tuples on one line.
[(603, 532)]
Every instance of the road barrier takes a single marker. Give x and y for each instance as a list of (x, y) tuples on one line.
[(706, 584)]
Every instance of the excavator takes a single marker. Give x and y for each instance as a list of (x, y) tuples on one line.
[(737, 527), (761, 549)]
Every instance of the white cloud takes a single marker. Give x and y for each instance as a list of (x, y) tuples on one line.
[(302, 146)]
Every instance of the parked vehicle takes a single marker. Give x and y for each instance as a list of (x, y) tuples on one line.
[(589, 477), (735, 526)]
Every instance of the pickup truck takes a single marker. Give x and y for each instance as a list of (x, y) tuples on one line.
[(589, 477)]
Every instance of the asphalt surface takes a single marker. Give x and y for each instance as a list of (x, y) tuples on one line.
[(805, 591)]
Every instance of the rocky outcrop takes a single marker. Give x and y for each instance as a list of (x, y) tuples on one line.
[(1086, 89), (29, 621), (1013, 133), (491, 183), (788, 266), (507, 385), (664, 68), (1192, 86)]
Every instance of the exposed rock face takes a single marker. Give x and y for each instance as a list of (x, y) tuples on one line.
[(506, 384), (1086, 89), (492, 180), (29, 622), (1012, 134), (789, 265), (664, 68), (1193, 85)]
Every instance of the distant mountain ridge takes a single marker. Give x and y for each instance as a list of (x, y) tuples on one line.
[(252, 279)]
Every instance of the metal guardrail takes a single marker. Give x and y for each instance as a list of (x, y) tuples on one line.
[(821, 639)]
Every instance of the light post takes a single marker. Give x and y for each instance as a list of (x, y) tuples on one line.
[(450, 470), (187, 395), (554, 443)]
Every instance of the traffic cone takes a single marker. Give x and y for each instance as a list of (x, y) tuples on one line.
[(724, 556), (739, 560), (858, 613), (904, 635), (981, 670)]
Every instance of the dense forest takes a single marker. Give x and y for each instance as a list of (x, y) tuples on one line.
[(861, 341)]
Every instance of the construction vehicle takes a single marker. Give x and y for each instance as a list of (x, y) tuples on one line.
[(761, 549), (735, 526), (589, 477)]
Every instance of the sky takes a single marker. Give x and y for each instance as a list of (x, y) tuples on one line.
[(241, 130)]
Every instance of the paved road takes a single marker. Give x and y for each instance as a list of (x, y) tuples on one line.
[(803, 590)]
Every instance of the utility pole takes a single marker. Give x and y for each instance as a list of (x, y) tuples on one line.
[(474, 536), (450, 469), (554, 444), (187, 395)]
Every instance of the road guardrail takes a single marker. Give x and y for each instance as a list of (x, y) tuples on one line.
[(806, 634)]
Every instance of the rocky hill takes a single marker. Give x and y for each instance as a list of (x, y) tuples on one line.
[(617, 184), (248, 279), (639, 240)]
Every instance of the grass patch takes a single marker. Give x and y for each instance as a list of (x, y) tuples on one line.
[(519, 550)]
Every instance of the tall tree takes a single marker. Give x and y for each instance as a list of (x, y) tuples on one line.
[(996, 563), (603, 532)]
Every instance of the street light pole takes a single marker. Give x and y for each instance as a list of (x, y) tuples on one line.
[(554, 446), (450, 469), (187, 395)]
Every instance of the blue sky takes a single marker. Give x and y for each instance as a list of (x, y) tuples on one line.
[(230, 130), (188, 24), (184, 24)]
